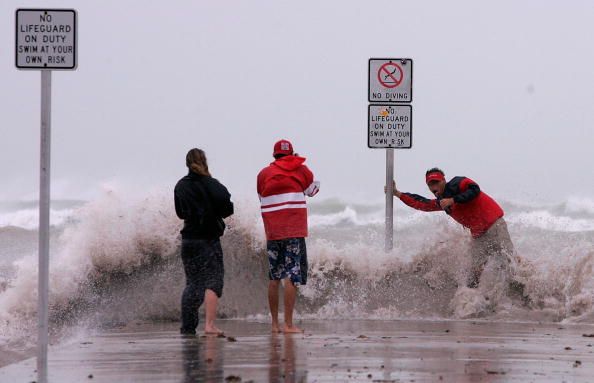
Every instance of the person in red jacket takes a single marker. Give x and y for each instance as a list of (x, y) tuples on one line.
[(282, 188), (463, 200)]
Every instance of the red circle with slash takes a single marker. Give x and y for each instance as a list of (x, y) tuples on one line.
[(390, 75)]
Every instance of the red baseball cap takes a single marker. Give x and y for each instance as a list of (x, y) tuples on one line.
[(434, 176), (283, 147)]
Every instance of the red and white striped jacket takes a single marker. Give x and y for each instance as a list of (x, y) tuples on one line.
[(282, 187)]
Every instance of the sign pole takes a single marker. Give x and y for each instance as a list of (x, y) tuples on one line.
[(44, 220), (389, 200), (389, 123), (37, 47)]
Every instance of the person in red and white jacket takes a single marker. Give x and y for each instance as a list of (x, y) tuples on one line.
[(282, 189), (491, 248)]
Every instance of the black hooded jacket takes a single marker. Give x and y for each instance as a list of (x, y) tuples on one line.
[(202, 202)]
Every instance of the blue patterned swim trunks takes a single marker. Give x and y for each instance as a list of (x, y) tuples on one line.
[(287, 258)]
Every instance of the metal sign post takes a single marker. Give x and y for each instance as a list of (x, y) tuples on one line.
[(389, 124), (389, 200), (44, 221), (45, 41)]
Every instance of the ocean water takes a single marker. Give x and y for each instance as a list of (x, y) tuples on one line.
[(116, 259)]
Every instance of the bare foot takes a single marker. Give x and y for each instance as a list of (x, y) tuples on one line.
[(276, 329), (213, 330), (292, 330)]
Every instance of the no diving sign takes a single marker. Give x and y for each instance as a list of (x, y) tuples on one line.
[(390, 80), (46, 39)]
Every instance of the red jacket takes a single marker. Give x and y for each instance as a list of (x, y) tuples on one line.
[(282, 187), (472, 208)]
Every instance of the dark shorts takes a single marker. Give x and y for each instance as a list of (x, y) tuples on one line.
[(203, 264), (287, 258)]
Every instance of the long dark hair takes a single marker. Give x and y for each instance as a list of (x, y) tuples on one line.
[(196, 162)]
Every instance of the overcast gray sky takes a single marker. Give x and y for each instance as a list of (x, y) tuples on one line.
[(503, 93)]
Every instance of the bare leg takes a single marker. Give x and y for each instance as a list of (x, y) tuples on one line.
[(273, 304), (211, 300), (290, 297)]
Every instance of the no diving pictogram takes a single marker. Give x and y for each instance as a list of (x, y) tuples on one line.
[(390, 75), (390, 80)]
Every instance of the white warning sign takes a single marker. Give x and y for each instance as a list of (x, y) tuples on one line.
[(390, 80), (390, 126), (46, 39)]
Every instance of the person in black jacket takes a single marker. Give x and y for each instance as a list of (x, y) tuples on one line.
[(202, 202)]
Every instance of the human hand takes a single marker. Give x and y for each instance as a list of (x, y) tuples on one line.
[(396, 191), (446, 203), (313, 189)]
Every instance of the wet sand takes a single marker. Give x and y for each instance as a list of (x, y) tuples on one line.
[(342, 351)]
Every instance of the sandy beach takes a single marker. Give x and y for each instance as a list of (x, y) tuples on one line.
[(342, 351)]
